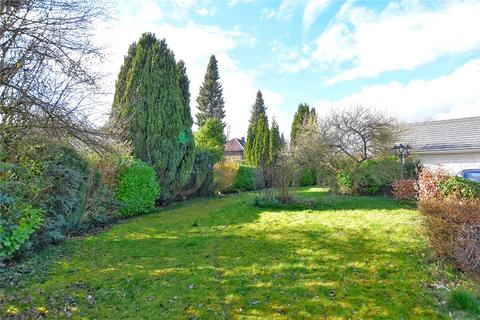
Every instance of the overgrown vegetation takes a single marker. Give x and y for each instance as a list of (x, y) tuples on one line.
[(451, 218)]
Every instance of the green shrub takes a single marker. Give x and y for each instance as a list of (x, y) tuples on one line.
[(49, 177), (464, 300), (202, 180), (225, 174), (344, 182), (137, 189), (459, 187), (307, 177), (245, 179), (18, 221), (101, 205), (376, 176)]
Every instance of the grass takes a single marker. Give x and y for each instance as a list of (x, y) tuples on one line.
[(465, 301), (223, 258)]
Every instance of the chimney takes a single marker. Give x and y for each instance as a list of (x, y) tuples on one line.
[(242, 139)]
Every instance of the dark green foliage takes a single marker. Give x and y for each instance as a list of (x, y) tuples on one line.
[(184, 84), (459, 187), (209, 141), (258, 145), (101, 205), (202, 181), (210, 138), (137, 189), (376, 176), (302, 114), (275, 142), (307, 177), (52, 178), (210, 97), (464, 300), (245, 179), (150, 106), (119, 117)]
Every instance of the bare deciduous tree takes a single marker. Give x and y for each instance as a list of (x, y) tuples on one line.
[(49, 69), (360, 133)]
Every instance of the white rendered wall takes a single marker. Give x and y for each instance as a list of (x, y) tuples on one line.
[(451, 162)]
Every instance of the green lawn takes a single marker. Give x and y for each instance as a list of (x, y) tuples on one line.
[(223, 258)]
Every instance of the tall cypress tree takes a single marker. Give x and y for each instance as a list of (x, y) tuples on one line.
[(302, 114), (154, 112), (276, 142), (184, 84), (258, 135), (210, 102)]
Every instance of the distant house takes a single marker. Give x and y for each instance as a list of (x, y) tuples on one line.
[(235, 150), (451, 144)]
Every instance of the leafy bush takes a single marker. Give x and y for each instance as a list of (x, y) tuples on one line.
[(225, 174), (137, 189), (18, 221), (459, 187), (344, 182), (210, 137), (307, 177), (405, 190), (428, 184), (376, 176), (245, 179), (450, 208), (453, 229)]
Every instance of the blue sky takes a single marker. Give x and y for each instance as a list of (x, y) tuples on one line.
[(417, 60)]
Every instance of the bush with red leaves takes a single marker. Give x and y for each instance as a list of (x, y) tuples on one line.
[(405, 190), (428, 183), (453, 229)]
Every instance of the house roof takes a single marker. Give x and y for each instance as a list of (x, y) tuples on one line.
[(235, 145), (454, 135)]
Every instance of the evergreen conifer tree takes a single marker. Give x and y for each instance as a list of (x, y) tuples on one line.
[(302, 114), (210, 102), (275, 141), (258, 135), (150, 102)]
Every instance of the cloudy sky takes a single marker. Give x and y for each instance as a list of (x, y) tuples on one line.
[(417, 60)]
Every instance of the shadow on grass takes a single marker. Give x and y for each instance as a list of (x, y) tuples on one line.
[(223, 259)]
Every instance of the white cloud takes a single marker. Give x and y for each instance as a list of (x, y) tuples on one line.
[(450, 96), (194, 44), (285, 10), (364, 43), (206, 11), (313, 10), (288, 59), (234, 2)]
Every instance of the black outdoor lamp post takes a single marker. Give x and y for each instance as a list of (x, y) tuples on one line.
[(402, 151)]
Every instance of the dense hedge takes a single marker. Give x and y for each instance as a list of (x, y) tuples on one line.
[(225, 174), (307, 177), (245, 179), (450, 207), (137, 188), (374, 176), (459, 187)]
